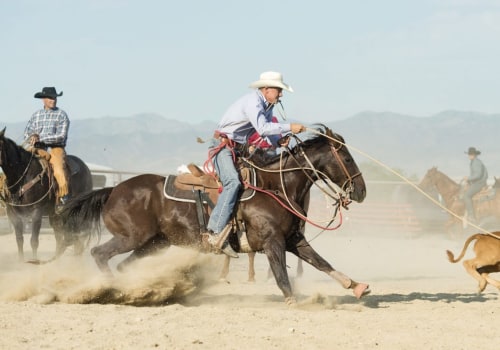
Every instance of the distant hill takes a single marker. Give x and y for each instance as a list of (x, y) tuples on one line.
[(152, 143), (415, 144)]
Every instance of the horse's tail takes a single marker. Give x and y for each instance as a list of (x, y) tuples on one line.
[(452, 259), (83, 213)]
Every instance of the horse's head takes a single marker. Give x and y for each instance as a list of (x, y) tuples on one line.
[(11, 154), (429, 180), (334, 160), (344, 170)]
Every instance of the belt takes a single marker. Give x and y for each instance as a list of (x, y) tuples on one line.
[(239, 148), (226, 140)]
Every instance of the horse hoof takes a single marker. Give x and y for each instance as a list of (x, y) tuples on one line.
[(224, 280), (361, 290), (290, 301), (34, 262)]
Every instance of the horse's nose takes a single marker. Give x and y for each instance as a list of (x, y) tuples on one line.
[(358, 194)]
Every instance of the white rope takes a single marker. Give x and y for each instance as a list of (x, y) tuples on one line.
[(314, 131)]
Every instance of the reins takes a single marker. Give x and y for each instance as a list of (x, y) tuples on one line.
[(405, 180), (29, 185), (340, 197)]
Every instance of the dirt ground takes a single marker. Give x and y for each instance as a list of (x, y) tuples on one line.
[(174, 300)]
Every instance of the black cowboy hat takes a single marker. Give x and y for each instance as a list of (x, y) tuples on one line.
[(473, 150), (48, 92)]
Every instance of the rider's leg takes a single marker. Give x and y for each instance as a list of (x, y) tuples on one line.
[(57, 159), (219, 219), (471, 191)]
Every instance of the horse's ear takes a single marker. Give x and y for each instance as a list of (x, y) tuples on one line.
[(328, 131), (2, 133)]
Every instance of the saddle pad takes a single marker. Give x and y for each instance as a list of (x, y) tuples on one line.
[(172, 192), (73, 165)]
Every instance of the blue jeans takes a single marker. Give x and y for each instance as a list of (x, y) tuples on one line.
[(228, 175)]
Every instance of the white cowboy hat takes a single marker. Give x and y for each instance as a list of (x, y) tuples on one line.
[(271, 79)]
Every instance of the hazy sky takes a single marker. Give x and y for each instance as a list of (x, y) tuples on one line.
[(190, 59)]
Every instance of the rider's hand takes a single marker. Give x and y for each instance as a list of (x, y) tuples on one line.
[(295, 128), (284, 141), (34, 139)]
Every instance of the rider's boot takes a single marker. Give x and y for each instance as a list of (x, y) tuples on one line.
[(62, 201), (219, 241)]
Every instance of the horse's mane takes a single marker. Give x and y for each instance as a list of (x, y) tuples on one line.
[(13, 147), (261, 158)]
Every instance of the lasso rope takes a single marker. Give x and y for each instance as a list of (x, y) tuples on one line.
[(404, 179)]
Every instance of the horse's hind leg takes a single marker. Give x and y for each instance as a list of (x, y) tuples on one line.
[(300, 268), (152, 245), (305, 252), (225, 268), (106, 251), (251, 267)]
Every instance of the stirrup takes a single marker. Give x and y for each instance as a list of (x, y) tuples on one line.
[(219, 241)]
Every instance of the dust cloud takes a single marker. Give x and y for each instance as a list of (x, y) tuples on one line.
[(167, 276)]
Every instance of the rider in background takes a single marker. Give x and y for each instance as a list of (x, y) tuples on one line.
[(251, 113), (476, 180), (48, 128)]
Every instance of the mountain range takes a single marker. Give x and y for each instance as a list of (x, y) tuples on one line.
[(152, 143)]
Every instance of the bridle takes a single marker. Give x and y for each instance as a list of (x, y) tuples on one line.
[(26, 186), (348, 185), (341, 196)]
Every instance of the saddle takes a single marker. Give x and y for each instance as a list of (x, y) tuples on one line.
[(487, 193), (43, 158), (182, 187), (203, 190)]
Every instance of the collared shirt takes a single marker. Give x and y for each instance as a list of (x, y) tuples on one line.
[(478, 172), (51, 125), (249, 114)]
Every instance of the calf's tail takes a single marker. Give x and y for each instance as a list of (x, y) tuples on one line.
[(452, 259)]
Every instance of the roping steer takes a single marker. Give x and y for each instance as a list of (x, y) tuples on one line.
[(487, 260)]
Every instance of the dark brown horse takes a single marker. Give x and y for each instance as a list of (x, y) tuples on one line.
[(141, 219), (29, 192), (251, 257), (486, 203)]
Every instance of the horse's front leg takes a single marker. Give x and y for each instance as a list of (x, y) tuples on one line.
[(36, 224), (276, 255), (305, 252), (19, 230)]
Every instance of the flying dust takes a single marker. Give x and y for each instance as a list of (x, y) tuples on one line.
[(165, 277)]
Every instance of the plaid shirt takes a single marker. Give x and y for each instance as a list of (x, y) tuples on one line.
[(51, 125)]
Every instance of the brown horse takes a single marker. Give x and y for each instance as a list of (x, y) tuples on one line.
[(141, 219), (486, 203), (251, 257)]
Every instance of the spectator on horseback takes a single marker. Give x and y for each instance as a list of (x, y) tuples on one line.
[(251, 113), (476, 181), (48, 129)]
